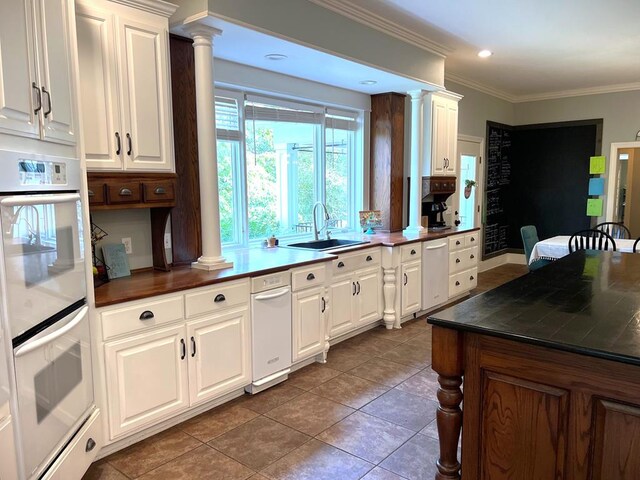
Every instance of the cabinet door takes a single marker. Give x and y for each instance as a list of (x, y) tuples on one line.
[(146, 378), (8, 467), (369, 295), (308, 323), (145, 96), (18, 98), (435, 278), (219, 354), (439, 137), (452, 137), (341, 293), (411, 287), (99, 88), (55, 71)]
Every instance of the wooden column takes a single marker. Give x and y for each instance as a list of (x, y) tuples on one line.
[(387, 158), (448, 364)]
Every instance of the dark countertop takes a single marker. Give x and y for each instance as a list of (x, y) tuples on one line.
[(587, 303), (248, 262)]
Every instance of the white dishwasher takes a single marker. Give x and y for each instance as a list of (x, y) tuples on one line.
[(270, 330)]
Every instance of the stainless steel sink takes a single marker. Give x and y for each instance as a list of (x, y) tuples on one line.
[(324, 245)]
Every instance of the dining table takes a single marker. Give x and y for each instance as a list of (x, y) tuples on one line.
[(557, 247)]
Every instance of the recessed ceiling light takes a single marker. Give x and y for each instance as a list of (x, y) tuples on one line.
[(368, 82), (276, 57), (485, 53)]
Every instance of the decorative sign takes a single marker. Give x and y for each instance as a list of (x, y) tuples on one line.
[(115, 257), (370, 219), (596, 186), (594, 207), (597, 165)]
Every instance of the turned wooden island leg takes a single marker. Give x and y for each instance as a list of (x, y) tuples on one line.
[(448, 364)]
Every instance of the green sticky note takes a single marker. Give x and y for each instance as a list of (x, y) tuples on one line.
[(597, 165), (594, 207)]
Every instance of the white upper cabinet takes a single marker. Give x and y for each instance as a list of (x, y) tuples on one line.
[(125, 87), (441, 126), (36, 87)]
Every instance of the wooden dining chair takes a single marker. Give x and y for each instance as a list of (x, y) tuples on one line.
[(636, 245), (616, 230), (591, 240)]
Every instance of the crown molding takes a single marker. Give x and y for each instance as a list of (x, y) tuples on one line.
[(579, 92), (157, 7), (378, 22), (494, 92)]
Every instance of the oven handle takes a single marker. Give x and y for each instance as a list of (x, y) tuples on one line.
[(39, 199), (31, 346)]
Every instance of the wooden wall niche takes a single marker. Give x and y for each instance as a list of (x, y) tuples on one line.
[(387, 158)]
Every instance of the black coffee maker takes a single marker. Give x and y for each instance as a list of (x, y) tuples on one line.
[(434, 212)]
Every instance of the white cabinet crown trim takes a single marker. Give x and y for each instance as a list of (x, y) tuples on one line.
[(157, 7)]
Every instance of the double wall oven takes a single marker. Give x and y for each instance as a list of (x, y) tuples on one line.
[(43, 283)]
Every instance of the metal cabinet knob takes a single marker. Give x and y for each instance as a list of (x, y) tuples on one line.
[(125, 192), (457, 284), (413, 252), (340, 264), (91, 444), (160, 191), (311, 276), (457, 260), (369, 258), (146, 315), (219, 298)]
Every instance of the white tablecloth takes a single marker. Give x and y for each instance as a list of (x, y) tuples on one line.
[(556, 247)]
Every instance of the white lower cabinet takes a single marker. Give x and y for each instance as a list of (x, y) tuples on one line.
[(219, 357), (341, 318), (308, 327), (411, 294), (147, 378), (368, 298)]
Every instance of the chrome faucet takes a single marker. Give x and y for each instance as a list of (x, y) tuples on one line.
[(316, 232)]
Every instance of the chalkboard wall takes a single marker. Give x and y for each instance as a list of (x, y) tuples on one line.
[(537, 175)]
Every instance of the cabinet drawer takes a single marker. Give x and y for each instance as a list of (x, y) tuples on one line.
[(472, 278), (125, 192), (307, 277), (139, 317), (216, 298), (456, 243), (470, 256), (96, 193), (160, 191), (354, 261), (458, 261), (471, 239), (410, 252), (458, 284)]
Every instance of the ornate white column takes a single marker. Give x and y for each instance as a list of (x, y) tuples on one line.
[(415, 198), (211, 258)]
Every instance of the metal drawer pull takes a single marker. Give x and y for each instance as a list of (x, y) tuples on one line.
[(358, 284), (91, 444), (406, 279), (471, 277), (473, 239), (44, 90), (340, 264), (130, 147), (146, 315), (193, 347), (413, 252), (457, 260), (472, 256), (457, 242), (160, 191), (219, 298), (311, 276), (457, 284), (91, 194), (118, 144), (39, 95), (183, 347), (369, 258), (354, 288), (125, 192), (324, 304)]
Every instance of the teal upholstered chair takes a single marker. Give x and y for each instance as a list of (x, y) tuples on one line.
[(529, 239)]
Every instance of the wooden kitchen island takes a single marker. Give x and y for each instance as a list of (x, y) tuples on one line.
[(550, 368)]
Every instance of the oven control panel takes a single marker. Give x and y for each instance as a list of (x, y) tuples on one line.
[(35, 172)]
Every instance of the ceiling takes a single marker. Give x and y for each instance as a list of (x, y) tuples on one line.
[(542, 48)]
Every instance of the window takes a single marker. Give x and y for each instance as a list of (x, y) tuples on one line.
[(286, 156)]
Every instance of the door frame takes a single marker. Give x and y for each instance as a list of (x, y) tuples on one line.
[(479, 175), (612, 177)]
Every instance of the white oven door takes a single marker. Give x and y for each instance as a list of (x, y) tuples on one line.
[(43, 253), (55, 388)]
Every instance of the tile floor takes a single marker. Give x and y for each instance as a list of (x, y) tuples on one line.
[(368, 413)]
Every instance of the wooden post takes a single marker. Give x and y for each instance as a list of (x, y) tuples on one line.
[(448, 364)]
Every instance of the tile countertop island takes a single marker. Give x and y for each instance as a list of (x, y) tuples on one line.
[(551, 367), (247, 262)]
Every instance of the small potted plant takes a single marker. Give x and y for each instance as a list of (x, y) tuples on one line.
[(468, 185)]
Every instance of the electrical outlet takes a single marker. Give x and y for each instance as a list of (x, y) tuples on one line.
[(127, 245), (167, 240)]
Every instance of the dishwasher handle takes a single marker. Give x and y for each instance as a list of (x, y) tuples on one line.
[(269, 296)]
